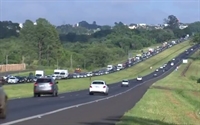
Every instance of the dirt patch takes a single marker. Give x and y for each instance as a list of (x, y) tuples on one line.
[(197, 94), (171, 98), (162, 87), (186, 69), (191, 115)]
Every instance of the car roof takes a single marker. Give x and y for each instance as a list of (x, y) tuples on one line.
[(98, 81), (125, 79)]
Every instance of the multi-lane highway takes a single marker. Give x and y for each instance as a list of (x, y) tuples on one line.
[(79, 108)]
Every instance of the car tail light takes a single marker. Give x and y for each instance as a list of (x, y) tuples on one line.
[(51, 83), (90, 86), (104, 86), (35, 84)]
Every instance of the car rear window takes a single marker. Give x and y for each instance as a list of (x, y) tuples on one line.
[(125, 81), (43, 80), (98, 83), (12, 78), (62, 73)]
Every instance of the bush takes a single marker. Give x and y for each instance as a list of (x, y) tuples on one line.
[(198, 80)]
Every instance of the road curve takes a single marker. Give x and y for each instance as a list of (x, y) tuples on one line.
[(28, 109)]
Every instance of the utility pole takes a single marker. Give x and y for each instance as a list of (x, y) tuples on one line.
[(22, 59), (84, 63), (57, 63), (71, 61), (6, 61)]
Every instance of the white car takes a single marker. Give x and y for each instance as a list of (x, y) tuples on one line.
[(157, 70), (13, 80), (172, 64), (125, 82), (98, 86), (139, 78), (161, 67)]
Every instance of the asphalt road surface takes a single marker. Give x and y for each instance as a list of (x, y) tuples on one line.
[(79, 108)]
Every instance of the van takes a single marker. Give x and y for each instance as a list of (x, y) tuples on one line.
[(64, 74), (57, 73), (39, 73), (120, 66), (109, 67)]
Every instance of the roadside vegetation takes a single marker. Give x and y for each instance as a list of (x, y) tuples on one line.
[(174, 100), (44, 46), (143, 68)]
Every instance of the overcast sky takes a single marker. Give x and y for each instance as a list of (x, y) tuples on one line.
[(102, 11)]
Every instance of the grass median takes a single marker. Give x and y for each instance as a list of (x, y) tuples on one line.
[(24, 90), (173, 100)]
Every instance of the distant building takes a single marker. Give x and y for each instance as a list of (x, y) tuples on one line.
[(21, 25), (183, 26)]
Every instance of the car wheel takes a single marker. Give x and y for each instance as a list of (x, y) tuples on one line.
[(35, 95), (90, 93), (39, 95), (54, 94), (3, 113)]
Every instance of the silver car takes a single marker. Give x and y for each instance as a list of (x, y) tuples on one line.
[(3, 100), (45, 86)]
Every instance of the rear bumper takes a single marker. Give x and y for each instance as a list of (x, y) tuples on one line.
[(43, 92), (97, 91), (124, 84)]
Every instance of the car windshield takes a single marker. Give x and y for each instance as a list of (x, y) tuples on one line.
[(38, 75), (12, 78), (43, 80), (98, 83), (56, 72), (125, 80)]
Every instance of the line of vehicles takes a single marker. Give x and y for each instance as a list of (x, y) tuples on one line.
[(59, 74), (48, 85)]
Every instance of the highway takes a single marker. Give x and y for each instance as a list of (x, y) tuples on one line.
[(79, 108)]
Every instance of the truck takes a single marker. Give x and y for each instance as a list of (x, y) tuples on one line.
[(64, 74), (39, 73)]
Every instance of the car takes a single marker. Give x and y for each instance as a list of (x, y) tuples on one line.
[(98, 86), (157, 70), (13, 79), (3, 100), (45, 86), (139, 78), (125, 82)]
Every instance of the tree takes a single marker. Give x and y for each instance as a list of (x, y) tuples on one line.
[(172, 21), (42, 39), (196, 38)]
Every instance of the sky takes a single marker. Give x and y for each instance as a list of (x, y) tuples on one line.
[(104, 12)]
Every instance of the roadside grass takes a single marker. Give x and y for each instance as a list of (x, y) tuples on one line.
[(50, 71), (174, 100), (26, 90)]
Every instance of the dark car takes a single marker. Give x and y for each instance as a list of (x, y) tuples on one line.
[(45, 86), (31, 79), (22, 79), (3, 100)]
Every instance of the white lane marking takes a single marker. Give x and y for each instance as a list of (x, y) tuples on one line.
[(74, 106)]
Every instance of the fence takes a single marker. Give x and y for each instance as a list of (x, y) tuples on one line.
[(12, 67)]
